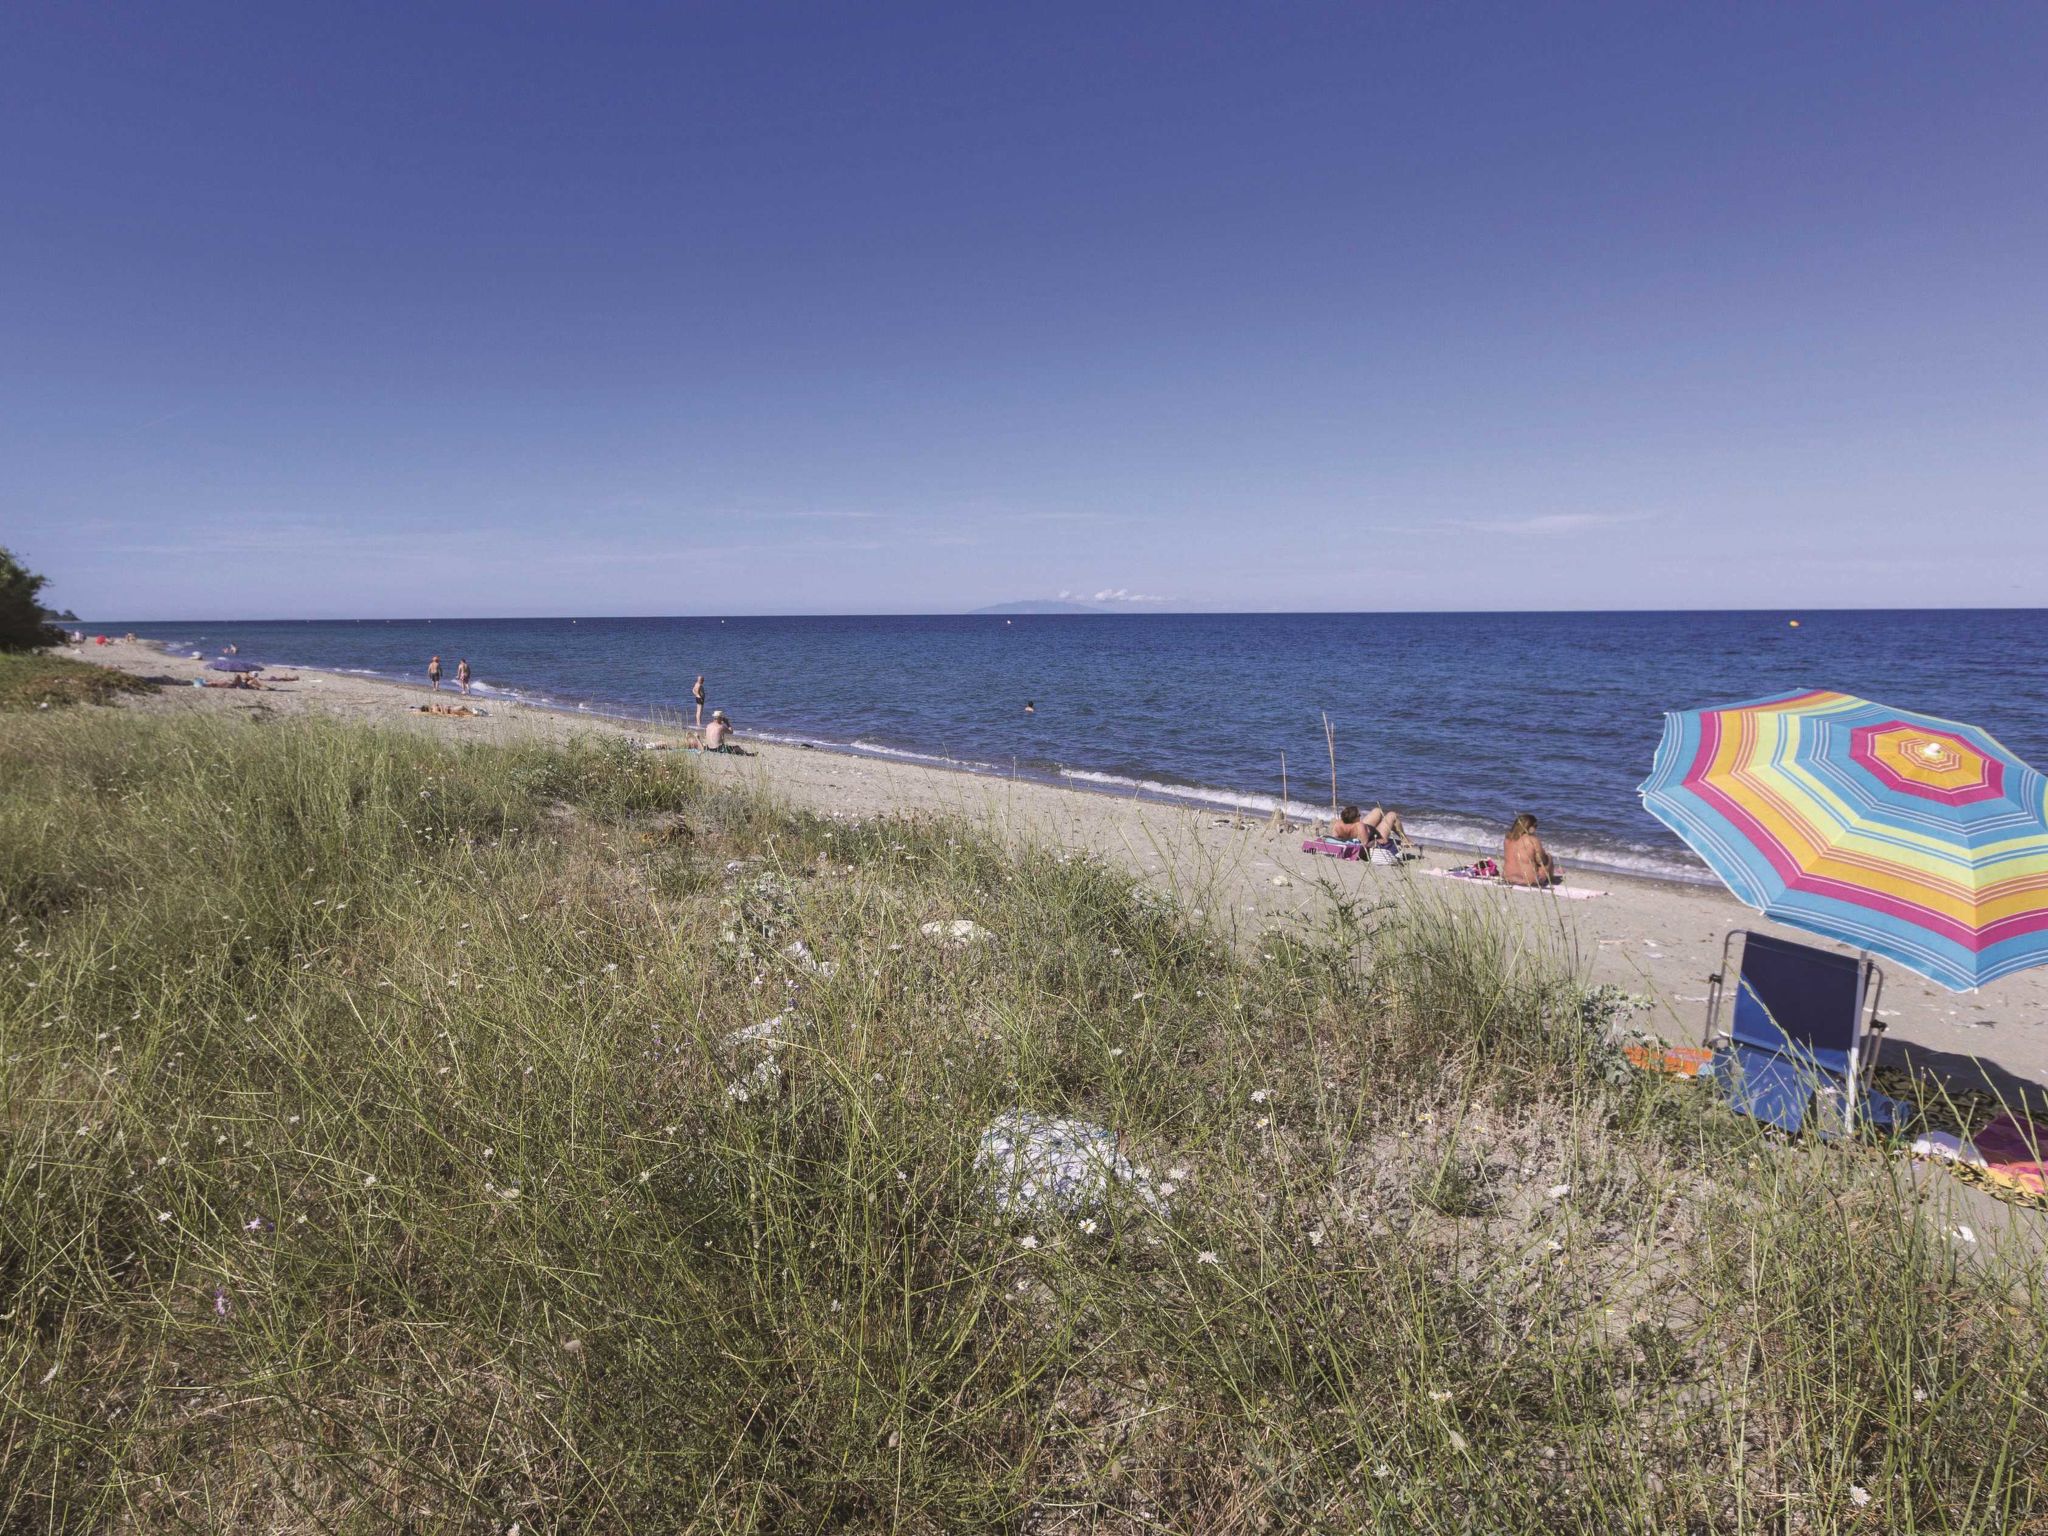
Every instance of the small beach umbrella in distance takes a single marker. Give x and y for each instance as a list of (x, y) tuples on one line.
[(1904, 834), (227, 664)]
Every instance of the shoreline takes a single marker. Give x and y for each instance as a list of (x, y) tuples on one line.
[(1457, 832), (1657, 938)]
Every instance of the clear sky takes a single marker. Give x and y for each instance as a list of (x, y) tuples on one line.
[(336, 310)]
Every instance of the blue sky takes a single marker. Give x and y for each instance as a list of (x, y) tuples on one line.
[(349, 310)]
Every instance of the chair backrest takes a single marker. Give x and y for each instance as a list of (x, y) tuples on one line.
[(1791, 998)]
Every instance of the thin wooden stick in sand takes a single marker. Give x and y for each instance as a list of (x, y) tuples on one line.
[(1330, 741), (1277, 822)]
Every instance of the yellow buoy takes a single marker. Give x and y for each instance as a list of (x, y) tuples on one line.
[(1793, 622)]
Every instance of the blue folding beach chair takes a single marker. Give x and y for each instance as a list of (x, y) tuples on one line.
[(1802, 1034)]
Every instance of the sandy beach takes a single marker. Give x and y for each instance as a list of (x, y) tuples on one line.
[(1653, 938)]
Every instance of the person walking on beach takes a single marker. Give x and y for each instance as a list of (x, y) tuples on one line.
[(697, 693), (462, 674), (1523, 858), (434, 672)]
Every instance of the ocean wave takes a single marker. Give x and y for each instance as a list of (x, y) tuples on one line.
[(937, 760)]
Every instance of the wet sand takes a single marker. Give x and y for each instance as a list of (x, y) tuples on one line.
[(1650, 937)]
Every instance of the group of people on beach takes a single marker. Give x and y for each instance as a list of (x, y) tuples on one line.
[(1523, 858), (463, 676), (714, 735)]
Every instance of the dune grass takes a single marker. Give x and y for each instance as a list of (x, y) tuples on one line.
[(37, 679), (377, 1156)]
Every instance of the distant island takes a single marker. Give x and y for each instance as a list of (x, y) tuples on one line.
[(1040, 605)]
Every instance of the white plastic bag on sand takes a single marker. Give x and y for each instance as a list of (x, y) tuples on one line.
[(1948, 1148), (1035, 1163), (959, 931)]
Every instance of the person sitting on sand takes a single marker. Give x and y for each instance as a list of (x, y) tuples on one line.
[(1350, 828), (718, 733), (1523, 858)]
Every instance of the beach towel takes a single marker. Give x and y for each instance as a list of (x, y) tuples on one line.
[(1334, 848), (1671, 1060), (2012, 1148), (1567, 892)]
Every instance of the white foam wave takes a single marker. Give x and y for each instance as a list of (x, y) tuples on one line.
[(937, 760), (1228, 799)]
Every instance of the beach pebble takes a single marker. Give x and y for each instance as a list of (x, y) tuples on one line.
[(1036, 1163), (1282, 880), (959, 931)]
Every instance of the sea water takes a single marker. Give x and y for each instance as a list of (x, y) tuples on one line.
[(1460, 721)]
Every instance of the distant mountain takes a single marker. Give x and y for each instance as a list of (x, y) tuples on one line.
[(1039, 605)]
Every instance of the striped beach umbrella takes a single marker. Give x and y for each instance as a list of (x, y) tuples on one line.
[(1907, 835)]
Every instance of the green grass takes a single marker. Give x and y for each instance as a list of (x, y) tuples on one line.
[(372, 1162), (35, 679)]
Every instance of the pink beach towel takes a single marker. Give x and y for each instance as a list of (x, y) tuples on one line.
[(1567, 892), (2011, 1147), (1333, 848)]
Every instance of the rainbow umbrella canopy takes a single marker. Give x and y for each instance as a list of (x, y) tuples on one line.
[(1907, 835)]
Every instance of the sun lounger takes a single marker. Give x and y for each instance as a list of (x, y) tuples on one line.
[(1800, 1034)]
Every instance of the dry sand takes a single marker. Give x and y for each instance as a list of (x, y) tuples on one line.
[(1650, 937)]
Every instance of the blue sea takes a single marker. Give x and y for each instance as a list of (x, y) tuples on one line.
[(1459, 720)]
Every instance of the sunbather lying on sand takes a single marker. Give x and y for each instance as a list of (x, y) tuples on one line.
[(232, 680), (461, 710)]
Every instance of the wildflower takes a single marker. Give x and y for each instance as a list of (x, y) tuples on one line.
[(1457, 1441), (220, 1302), (1207, 1256), (1919, 1396), (1027, 1242), (1858, 1496), (1439, 1397), (1964, 1235), (1165, 1190), (163, 1216), (1559, 1191), (253, 1224), (1315, 1238), (1554, 1246), (294, 1120), (836, 1307), (1383, 1471), (249, 1018), (369, 1180), (610, 967), (1114, 1051), (1260, 1095), (49, 1376), (646, 1174), (1176, 1173), (1088, 1227), (1137, 997)]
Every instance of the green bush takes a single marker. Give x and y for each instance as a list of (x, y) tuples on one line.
[(378, 1155)]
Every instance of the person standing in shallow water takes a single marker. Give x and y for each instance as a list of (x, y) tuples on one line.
[(462, 674), (697, 693), (434, 672)]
